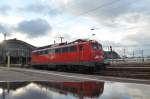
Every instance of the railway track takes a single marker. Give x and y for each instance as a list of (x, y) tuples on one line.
[(131, 64), (127, 71), (137, 71)]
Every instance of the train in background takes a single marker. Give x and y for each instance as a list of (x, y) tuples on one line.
[(77, 55)]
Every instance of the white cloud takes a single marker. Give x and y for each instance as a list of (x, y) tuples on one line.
[(117, 21), (34, 28)]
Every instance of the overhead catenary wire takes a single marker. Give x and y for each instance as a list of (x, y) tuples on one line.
[(100, 7), (91, 10), (103, 6), (96, 8)]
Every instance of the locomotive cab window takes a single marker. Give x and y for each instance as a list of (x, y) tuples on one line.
[(100, 46), (96, 46)]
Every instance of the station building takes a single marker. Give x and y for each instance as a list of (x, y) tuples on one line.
[(19, 51)]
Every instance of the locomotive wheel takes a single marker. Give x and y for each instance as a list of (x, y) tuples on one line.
[(61, 68), (92, 69)]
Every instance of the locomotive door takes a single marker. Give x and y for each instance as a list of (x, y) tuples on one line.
[(81, 54)]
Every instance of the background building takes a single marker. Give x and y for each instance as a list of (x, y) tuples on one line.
[(19, 51)]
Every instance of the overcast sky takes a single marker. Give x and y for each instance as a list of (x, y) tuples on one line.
[(40, 22)]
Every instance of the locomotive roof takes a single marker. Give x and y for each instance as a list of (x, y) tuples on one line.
[(64, 44)]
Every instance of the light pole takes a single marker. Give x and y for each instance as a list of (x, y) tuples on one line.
[(133, 54), (142, 52), (111, 51), (8, 60), (124, 52), (5, 36)]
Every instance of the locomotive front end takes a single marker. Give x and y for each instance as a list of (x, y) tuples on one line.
[(97, 55)]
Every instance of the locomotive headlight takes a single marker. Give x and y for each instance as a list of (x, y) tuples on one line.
[(101, 57), (97, 57)]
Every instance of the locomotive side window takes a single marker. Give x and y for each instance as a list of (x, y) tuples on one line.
[(64, 49), (51, 51), (40, 52), (46, 52), (72, 49), (43, 52), (57, 50)]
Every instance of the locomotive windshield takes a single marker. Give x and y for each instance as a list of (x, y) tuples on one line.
[(96, 46)]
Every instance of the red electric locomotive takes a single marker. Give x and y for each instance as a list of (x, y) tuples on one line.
[(79, 54)]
